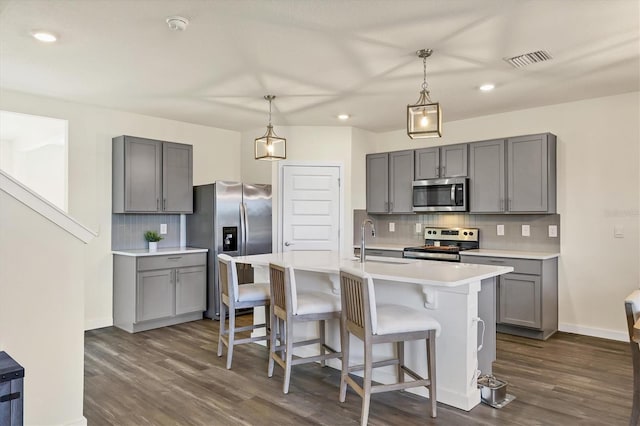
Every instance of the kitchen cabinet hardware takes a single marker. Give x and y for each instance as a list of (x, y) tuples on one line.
[(175, 258)]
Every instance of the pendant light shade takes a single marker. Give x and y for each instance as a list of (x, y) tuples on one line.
[(424, 118), (270, 146)]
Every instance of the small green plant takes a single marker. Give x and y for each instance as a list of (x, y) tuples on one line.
[(152, 236)]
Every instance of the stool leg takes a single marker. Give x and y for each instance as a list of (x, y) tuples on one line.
[(431, 370), (344, 345), (321, 331), (223, 318), (267, 326), (282, 337), (272, 338), (366, 384), (288, 356), (400, 350), (232, 337)]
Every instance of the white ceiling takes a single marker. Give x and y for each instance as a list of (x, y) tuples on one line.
[(319, 57)]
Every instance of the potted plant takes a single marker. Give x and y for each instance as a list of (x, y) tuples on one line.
[(152, 238)]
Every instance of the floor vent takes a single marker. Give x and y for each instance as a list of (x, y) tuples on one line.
[(528, 58)]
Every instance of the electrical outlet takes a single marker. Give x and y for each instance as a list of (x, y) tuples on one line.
[(392, 227), (500, 230), (553, 231), (618, 231), (163, 228), (418, 228), (526, 231)]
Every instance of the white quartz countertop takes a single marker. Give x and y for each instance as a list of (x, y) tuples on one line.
[(534, 255), (425, 272), (160, 251), (382, 246)]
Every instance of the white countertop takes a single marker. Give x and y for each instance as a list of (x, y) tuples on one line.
[(425, 272), (160, 251), (515, 254), (383, 246)]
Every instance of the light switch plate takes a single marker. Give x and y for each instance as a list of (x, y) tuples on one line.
[(418, 228), (526, 231), (163, 228), (392, 227), (553, 231), (500, 230), (618, 231)]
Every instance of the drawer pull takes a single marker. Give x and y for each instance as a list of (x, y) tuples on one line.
[(9, 397), (174, 258), (496, 261)]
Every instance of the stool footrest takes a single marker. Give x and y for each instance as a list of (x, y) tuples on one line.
[(398, 386), (376, 364)]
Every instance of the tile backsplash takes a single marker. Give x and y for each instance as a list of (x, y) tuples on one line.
[(405, 229), (127, 230)]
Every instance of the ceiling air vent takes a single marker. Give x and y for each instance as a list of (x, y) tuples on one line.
[(528, 59)]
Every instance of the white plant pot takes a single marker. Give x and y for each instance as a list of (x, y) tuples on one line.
[(153, 246)]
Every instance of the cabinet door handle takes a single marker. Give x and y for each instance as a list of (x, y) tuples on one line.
[(437, 171), (157, 203), (164, 204), (386, 206), (444, 171), (174, 258), (509, 204), (390, 207), (501, 204), (177, 276)]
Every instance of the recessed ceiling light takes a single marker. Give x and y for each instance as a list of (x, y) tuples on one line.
[(343, 117), (487, 87), (44, 36)]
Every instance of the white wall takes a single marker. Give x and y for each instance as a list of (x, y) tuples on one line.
[(216, 155), (304, 143), (598, 188), (42, 312)]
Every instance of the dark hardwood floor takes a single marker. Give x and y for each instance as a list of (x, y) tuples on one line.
[(172, 376)]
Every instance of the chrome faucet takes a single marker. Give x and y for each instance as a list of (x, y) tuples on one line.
[(373, 234)]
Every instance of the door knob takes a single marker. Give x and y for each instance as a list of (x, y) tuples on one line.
[(287, 243)]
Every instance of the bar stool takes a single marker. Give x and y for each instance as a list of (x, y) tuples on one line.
[(632, 309), (289, 307), (382, 324), (235, 297)]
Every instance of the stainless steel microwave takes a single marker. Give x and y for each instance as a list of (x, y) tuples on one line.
[(440, 195)]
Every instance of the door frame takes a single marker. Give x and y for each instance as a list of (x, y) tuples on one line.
[(278, 201)]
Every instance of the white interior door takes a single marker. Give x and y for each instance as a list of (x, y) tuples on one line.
[(311, 208)]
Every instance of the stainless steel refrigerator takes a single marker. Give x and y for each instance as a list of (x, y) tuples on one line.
[(232, 218)]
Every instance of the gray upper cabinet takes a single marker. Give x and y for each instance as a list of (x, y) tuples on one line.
[(151, 176), (516, 175), (389, 178), (177, 178), (378, 183), (441, 162), (487, 176), (531, 166)]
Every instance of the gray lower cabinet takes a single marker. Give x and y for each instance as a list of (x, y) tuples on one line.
[(389, 178), (151, 176), (527, 299), (514, 175), (156, 291)]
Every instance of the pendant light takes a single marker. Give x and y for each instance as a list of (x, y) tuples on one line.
[(424, 119), (270, 146)]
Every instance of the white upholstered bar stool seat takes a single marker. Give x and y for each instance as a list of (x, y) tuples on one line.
[(384, 323), (289, 307), (233, 297)]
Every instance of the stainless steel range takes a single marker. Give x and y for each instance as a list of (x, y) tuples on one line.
[(445, 244)]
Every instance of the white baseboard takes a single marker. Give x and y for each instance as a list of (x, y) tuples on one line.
[(80, 422), (594, 332), (92, 324)]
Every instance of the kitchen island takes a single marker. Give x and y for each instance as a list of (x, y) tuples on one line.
[(457, 295)]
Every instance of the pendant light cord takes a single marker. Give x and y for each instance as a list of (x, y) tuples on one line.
[(269, 112), (424, 64)]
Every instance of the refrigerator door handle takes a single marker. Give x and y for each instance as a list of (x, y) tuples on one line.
[(243, 228)]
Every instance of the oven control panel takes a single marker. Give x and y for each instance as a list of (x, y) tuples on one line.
[(452, 234)]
